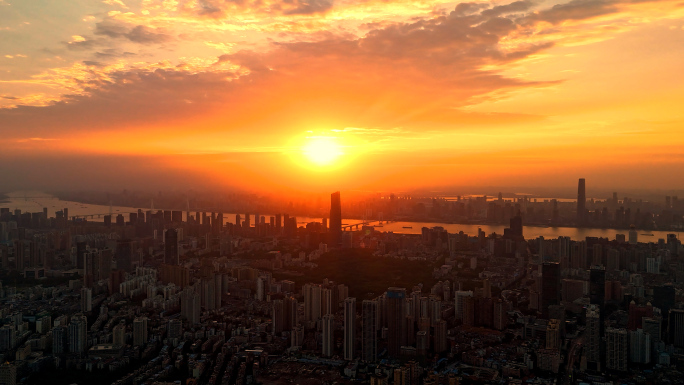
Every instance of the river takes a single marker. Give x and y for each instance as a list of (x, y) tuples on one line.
[(35, 201)]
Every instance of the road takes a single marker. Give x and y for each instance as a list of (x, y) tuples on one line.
[(573, 354)]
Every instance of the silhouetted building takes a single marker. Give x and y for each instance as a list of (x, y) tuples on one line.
[(396, 336), (551, 287), (335, 218), (349, 328), (369, 337), (581, 201), (124, 255), (171, 247)]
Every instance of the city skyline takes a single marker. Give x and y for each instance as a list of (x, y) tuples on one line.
[(321, 96)]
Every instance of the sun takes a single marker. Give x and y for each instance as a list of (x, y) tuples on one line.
[(322, 151)]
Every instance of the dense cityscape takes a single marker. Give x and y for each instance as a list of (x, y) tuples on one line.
[(173, 297)]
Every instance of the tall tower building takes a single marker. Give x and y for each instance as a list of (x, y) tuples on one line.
[(140, 331), (175, 328), (581, 201), (597, 285), (335, 219), (349, 328), (59, 339), (86, 299), (171, 247), (312, 302), (396, 335), (553, 335), (78, 334), (675, 328), (617, 349), (124, 255), (278, 316), (593, 331), (459, 299), (369, 335), (551, 285), (639, 347), (119, 334), (328, 324), (190, 306)]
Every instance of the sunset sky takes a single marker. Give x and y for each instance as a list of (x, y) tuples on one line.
[(341, 94)]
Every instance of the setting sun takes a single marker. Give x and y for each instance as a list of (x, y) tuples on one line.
[(322, 151)]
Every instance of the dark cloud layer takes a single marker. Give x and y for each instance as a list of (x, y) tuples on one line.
[(139, 34)]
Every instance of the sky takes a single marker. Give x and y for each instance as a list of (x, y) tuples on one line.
[(321, 95)]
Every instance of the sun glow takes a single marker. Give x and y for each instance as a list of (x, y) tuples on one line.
[(322, 151)]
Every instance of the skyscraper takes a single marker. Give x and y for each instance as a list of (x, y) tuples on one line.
[(581, 201), (597, 285), (550, 290), (328, 321), (617, 349), (335, 218), (369, 334), (78, 334), (639, 347), (593, 337), (140, 331), (396, 335), (278, 316), (124, 255), (349, 327), (171, 247)]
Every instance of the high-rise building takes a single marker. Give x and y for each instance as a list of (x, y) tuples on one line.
[(278, 316), (551, 287), (8, 374), (593, 332), (553, 336), (369, 335), (459, 298), (396, 335), (218, 290), (312, 302), (190, 306), (328, 325), (469, 311), (349, 328), (60, 338), (335, 219), (86, 299), (581, 201), (639, 347), (140, 331), (124, 255), (653, 326), (440, 344), (675, 327), (617, 349), (119, 334), (499, 315), (289, 313), (78, 334), (175, 328), (171, 256), (7, 338), (597, 285)]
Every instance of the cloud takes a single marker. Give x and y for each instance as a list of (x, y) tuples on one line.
[(142, 34), (224, 8), (399, 75), (308, 7)]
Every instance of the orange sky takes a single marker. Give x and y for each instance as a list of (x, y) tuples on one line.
[(120, 93)]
